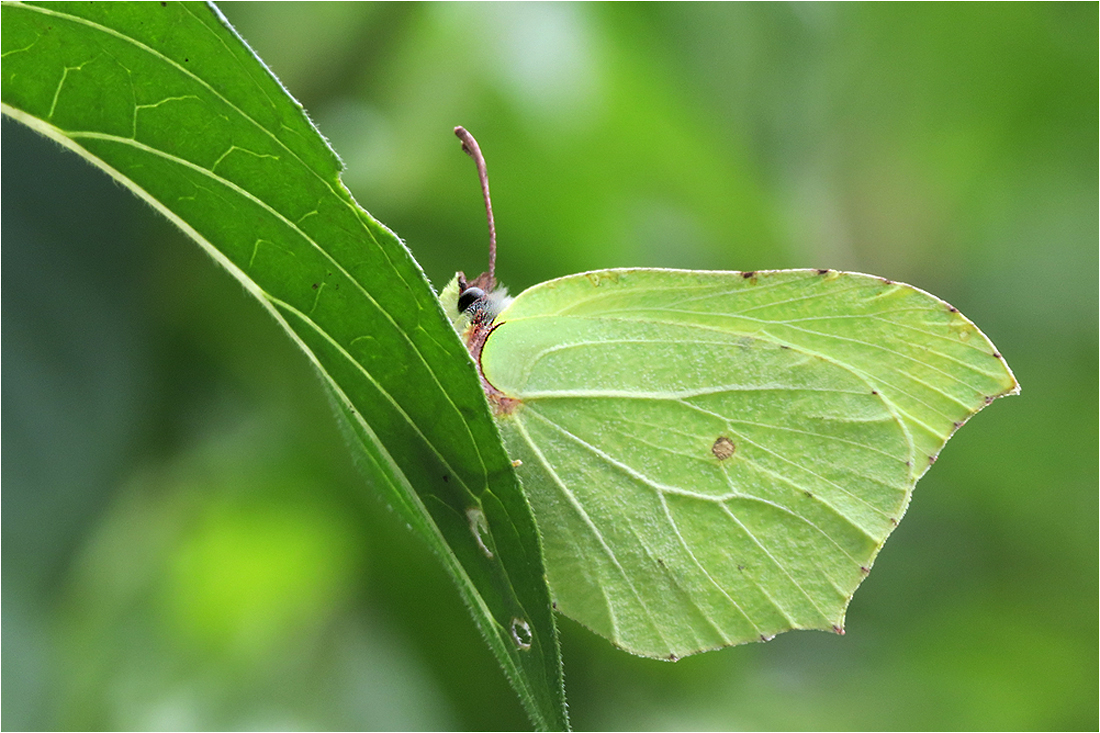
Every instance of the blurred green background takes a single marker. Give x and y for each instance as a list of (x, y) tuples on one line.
[(187, 545)]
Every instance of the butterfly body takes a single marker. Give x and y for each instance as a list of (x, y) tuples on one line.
[(716, 457)]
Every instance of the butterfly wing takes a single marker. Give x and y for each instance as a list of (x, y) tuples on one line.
[(716, 457)]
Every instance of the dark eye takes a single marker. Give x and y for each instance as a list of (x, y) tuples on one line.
[(468, 297)]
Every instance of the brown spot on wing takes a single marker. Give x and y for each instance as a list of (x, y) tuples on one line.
[(723, 448)]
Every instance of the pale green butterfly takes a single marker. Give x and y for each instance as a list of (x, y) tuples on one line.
[(716, 457)]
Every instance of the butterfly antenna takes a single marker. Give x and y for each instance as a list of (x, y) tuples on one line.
[(470, 146)]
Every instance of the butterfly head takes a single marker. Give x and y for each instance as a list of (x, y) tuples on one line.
[(474, 303)]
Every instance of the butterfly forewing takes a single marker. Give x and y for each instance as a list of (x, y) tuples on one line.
[(714, 458)]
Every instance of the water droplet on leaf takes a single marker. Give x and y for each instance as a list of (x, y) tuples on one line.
[(479, 527), (521, 634)]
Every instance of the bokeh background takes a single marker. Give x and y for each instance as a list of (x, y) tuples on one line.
[(187, 545)]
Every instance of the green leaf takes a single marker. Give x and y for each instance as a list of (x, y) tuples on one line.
[(717, 457), (168, 100)]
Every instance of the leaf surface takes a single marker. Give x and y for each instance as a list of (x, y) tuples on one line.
[(168, 100), (717, 457)]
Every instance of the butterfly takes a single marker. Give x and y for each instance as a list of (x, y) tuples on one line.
[(716, 457)]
